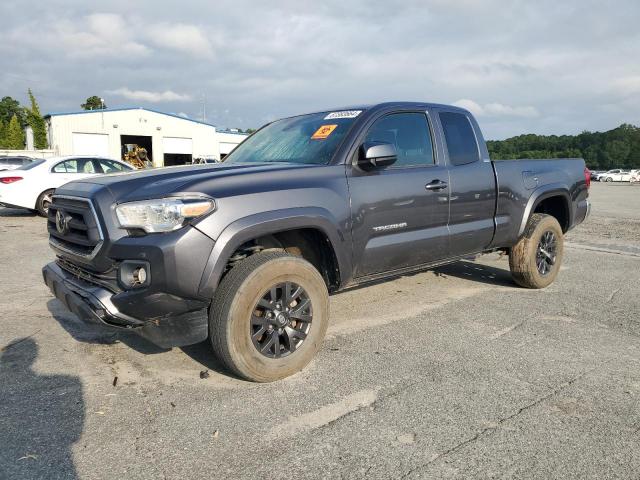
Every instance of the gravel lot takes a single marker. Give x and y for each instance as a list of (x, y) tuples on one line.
[(453, 373)]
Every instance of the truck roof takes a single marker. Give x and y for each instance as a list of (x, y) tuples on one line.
[(401, 104)]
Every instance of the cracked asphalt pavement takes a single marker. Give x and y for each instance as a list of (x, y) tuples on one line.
[(455, 373)]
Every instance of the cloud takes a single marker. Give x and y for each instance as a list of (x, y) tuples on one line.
[(497, 109), (627, 85), (180, 37), (152, 97), (101, 34)]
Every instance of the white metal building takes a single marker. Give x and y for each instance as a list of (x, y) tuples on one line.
[(169, 139)]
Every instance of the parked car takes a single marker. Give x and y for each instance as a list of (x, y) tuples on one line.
[(32, 185), (13, 162), (595, 174), (615, 175), (205, 160), (245, 252)]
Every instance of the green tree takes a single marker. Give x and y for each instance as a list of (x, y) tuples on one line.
[(14, 135), (616, 153), (94, 103), (2, 134), (10, 107), (35, 120), (617, 148)]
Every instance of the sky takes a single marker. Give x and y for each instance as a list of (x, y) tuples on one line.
[(546, 67)]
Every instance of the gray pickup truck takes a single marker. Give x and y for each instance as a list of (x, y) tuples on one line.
[(245, 253)]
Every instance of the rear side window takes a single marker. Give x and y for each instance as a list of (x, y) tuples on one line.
[(409, 132), (111, 167), (461, 141), (31, 165)]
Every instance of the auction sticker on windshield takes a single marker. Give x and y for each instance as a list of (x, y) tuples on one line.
[(343, 114), (323, 132)]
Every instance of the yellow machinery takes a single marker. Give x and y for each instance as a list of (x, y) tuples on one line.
[(136, 156)]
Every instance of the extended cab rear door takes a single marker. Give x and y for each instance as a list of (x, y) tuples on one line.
[(399, 212), (472, 183)]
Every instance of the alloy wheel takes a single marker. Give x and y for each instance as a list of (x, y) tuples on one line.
[(546, 252), (281, 320)]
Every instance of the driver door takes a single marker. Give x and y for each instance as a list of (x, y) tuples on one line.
[(399, 213)]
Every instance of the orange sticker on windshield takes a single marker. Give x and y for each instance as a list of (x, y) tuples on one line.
[(323, 132)]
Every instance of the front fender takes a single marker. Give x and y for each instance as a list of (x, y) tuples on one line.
[(265, 223)]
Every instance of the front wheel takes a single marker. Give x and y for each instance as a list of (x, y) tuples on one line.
[(535, 260), (609, 179), (269, 316), (43, 202)]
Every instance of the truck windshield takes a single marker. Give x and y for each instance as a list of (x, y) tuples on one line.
[(309, 139)]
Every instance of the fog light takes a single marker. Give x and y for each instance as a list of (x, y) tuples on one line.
[(134, 274), (139, 276)]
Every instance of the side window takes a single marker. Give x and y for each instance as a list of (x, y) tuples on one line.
[(110, 167), (410, 134), (461, 141), (60, 167), (85, 165)]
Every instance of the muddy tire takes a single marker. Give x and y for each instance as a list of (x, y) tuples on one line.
[(43, 202), (269, 316), (535, 260)]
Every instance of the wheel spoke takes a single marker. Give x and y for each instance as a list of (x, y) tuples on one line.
[(287, 293), (269, 343), (276, 343), (264, 303), (256, 336), (290, 337), (296, 294), (293, 333), (261, 321), (274, 293)]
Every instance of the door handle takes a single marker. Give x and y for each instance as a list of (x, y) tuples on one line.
[(436, 185)]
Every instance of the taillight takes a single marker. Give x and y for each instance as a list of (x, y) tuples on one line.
[(10, 179), (587, 176)]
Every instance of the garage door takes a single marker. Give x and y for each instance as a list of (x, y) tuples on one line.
[(227, 147), (90, 144), (177, 145)]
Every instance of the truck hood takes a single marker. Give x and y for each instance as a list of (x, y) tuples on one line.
[(154, 183)]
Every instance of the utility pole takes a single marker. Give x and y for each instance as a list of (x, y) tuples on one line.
[(204, 107)]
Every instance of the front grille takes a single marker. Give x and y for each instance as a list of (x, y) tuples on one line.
[(108, 279), (73, 227)]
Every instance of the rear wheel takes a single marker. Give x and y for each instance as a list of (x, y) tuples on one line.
[(43, 202), (269, 316), (609, 179), (535, 260)]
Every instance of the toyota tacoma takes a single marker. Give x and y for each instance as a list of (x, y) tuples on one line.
[(246, 252)]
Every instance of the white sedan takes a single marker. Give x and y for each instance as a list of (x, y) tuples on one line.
[(31, 186), (615, 175)]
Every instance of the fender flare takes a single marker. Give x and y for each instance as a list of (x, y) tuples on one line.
[(265, 223), (542, 193)]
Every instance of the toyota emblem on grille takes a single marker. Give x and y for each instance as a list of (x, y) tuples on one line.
[(62, 222)]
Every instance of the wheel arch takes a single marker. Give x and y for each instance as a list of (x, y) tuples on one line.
[(551, 199), (276, 224)]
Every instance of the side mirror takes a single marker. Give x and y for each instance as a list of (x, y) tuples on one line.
[(377, 155)]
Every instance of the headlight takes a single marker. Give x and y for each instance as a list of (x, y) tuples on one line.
[(163, 214)]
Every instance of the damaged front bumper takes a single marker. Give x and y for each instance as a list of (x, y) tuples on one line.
[(94, 304)]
